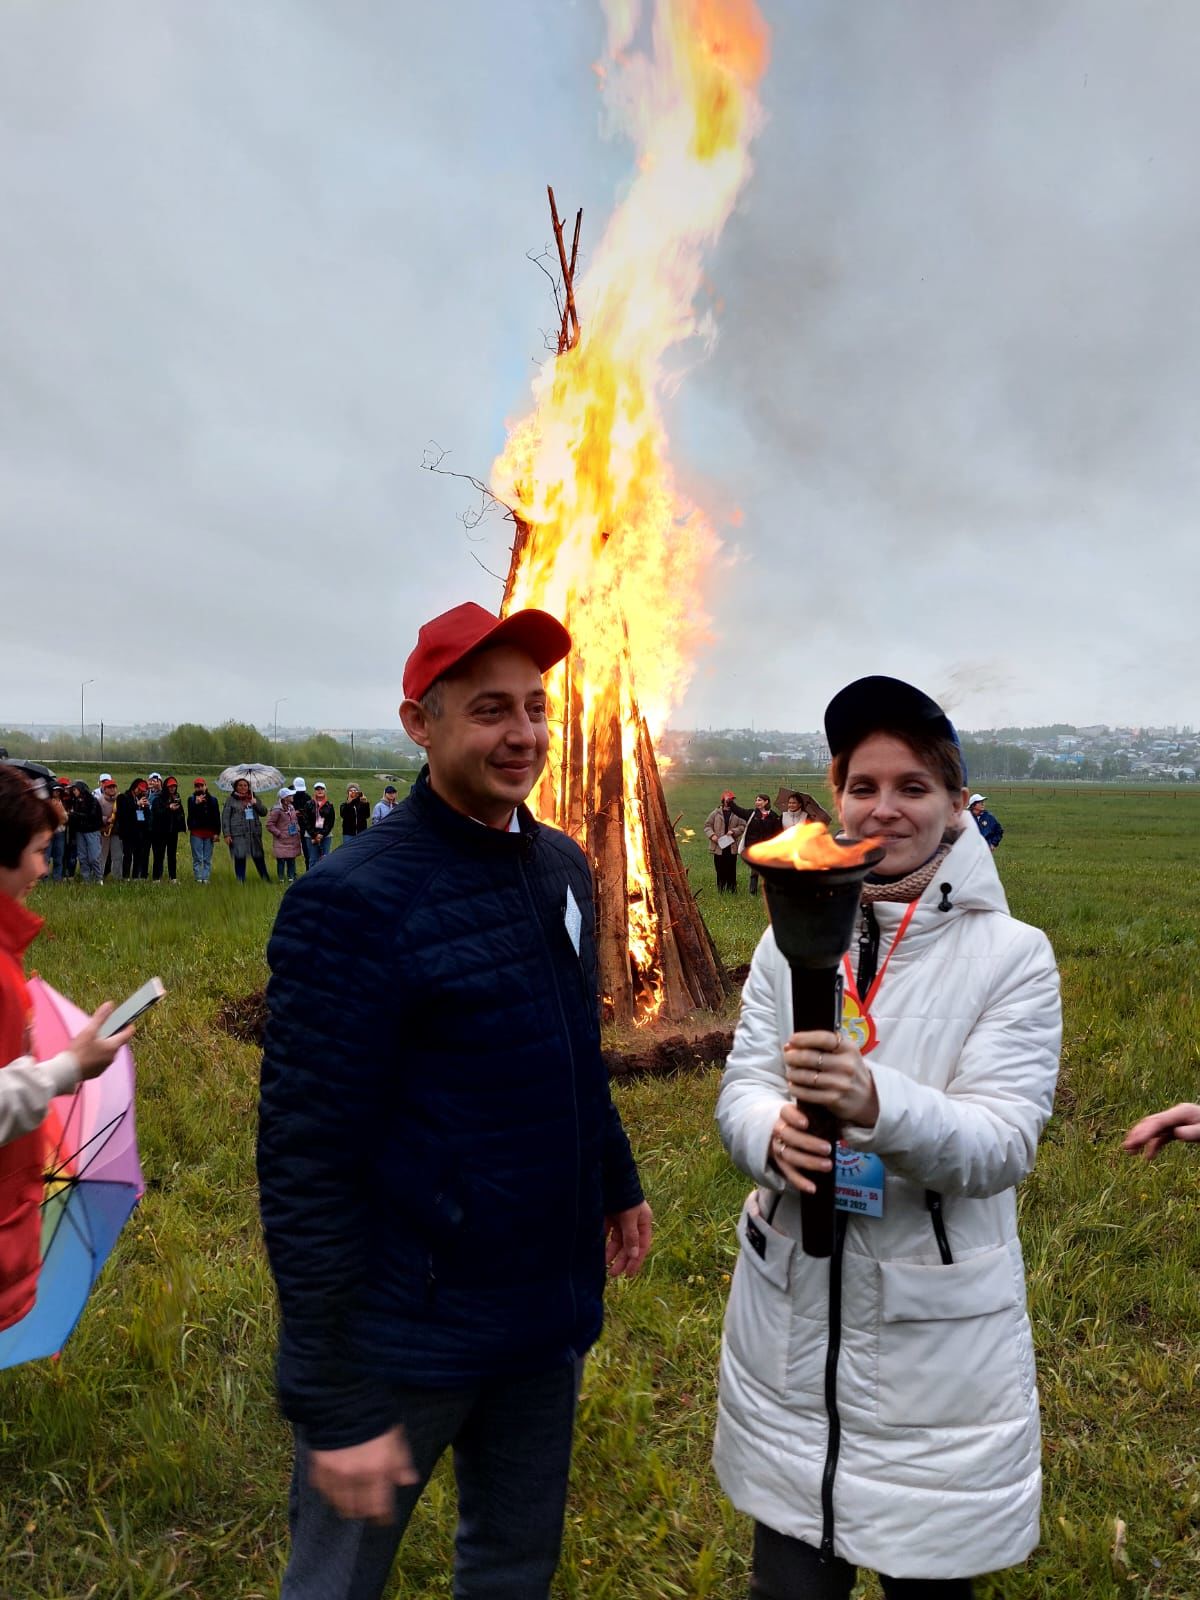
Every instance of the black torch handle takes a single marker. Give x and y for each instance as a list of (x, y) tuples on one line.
[(817, 1004)]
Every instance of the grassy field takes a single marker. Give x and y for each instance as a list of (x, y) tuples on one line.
[(149, 1461)]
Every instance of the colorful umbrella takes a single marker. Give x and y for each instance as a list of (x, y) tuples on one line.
[(93, 1182)]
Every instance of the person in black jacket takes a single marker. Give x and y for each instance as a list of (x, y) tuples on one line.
[(443, 1175), (763, 824), (356, 813), (316, 822), (167, 822), (84, 821), (204, 828), (133, 827)]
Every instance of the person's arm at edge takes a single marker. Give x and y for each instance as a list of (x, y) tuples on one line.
[(27, 1088)]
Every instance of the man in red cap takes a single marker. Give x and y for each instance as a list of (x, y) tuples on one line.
[(443, 1174)]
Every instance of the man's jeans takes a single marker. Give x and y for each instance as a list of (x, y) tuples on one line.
[(202, 854), (87, 848), (512, 1455)]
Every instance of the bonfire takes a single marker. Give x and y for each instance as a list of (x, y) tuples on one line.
[(606, 539)]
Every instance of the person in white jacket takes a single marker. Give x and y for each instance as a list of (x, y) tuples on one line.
[(880, 1408)]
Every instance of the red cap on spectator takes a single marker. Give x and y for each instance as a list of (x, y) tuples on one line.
[(448, 639), (199, 783)]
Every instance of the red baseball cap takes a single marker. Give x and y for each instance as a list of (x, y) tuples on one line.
[(199, 783), (448, 639)]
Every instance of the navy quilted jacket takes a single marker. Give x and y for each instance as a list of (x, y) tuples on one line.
[(437, 1145)]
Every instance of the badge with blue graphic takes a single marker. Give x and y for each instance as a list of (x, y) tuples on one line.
[(859, 1182)]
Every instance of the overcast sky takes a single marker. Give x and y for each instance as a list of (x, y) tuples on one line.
[(256, 256)]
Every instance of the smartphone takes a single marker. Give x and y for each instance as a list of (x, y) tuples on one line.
[(140, 1000)]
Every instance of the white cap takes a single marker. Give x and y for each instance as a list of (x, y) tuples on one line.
[(320, 784), (975, 798), (299, 786), (285, 793), (157, 775), (106, 777)]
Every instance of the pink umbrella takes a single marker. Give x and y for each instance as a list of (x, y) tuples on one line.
[(93, 1182)]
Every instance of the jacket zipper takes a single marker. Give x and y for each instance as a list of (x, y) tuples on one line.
[(562, 1017), (832, 1351)]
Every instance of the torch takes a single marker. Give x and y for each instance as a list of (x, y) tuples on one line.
[(812, 884)]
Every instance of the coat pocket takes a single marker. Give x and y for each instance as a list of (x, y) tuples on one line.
[(759, 1315), (949, 1343)]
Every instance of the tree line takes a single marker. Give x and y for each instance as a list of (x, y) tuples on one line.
[(194, 747)]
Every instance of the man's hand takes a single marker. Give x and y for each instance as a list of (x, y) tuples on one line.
[(360, 1481), (627, 1240), (1151, 1134)]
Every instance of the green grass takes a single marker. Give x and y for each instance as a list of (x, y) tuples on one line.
[(149, 1461)]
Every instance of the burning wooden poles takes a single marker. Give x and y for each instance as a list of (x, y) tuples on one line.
[(602, 784), (603, 787)]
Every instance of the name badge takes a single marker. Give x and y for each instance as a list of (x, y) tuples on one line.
[(248, 813), (858, 1182), (573, 920), (141, 815)]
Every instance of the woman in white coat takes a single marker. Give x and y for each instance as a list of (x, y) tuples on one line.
[(880, 1408)]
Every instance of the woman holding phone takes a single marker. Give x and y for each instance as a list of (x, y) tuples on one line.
[(880, 1408), (28, 818)]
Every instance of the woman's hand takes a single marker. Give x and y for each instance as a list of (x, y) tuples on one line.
[(795, 1151), (825, 1069), (92, 1053)]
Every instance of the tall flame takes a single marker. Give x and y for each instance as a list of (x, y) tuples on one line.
[(615, 548)]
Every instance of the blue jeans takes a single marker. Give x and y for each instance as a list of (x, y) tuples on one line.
[(87, 848), (202, 854), (512, 1454), (285, 867), (55, 850)]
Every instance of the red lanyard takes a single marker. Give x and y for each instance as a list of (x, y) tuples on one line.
[(864, 1006)]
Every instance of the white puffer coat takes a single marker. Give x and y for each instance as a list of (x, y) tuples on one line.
[(938, 1474)]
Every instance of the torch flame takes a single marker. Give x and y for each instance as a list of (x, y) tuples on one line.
[(809, 847), (615, 548)]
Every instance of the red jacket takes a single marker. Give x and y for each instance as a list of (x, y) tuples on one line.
[(22, 1160)]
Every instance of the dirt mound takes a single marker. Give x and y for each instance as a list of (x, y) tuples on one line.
[(246, 1019)]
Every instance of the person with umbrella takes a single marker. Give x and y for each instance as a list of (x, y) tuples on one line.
[(27, 821), (242, 827)]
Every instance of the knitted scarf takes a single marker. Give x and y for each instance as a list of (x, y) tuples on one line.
[(914, 884)]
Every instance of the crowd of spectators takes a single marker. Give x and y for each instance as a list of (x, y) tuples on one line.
[(111, 833)]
